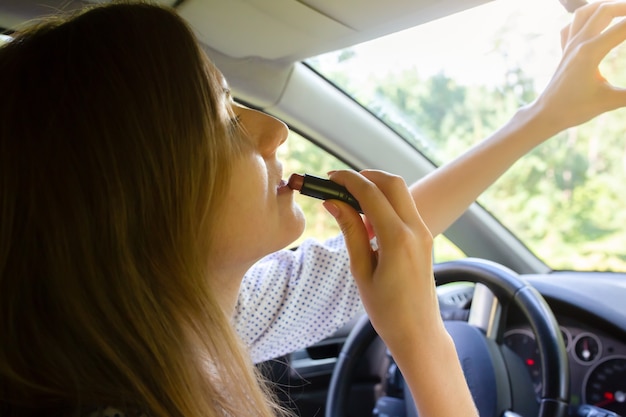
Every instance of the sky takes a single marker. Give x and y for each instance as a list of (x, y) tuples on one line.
[(467, 52)]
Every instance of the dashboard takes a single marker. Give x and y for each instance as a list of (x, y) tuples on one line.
[(590, 309)]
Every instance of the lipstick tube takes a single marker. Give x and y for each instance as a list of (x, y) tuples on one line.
[(322, 189)]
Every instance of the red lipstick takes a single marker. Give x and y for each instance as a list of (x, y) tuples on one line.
[(321, 188)]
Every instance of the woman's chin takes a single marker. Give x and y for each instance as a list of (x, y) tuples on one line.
[(296, 225)]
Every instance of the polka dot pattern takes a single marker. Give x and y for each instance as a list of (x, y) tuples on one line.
[(292, 299)]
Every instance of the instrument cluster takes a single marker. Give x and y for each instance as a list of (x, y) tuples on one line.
[(597, 363)]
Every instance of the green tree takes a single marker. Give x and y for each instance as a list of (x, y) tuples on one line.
[(564, 199)]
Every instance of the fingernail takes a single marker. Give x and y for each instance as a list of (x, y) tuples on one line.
[(331, 208)]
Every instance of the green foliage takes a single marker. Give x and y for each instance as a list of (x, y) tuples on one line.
[(564, 199)]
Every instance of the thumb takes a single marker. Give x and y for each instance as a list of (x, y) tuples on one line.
[(618, 97), (355, 235)]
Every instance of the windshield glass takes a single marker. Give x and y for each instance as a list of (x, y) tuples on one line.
[(448, 84)]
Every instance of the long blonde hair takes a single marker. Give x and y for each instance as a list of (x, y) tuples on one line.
[(113, 157)]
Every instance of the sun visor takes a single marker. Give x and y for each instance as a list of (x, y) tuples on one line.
[(286, 27), (291, 30)]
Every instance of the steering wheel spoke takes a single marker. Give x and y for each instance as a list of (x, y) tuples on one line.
[(486, 311)]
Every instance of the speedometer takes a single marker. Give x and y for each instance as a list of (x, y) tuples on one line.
[(605, 385), (523, 343)]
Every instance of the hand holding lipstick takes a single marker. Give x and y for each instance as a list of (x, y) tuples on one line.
[(397, 286), (396, 281)]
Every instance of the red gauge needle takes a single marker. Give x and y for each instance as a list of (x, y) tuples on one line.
[(608, 399)]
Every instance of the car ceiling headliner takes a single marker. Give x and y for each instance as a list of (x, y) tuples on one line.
[(275, 30)]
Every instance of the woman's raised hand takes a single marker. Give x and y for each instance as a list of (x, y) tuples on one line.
[(578, 91)]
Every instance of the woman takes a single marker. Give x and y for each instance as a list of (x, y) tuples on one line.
[(128, 180)]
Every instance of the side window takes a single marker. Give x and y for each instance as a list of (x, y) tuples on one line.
[(303, 156), (445, 250)]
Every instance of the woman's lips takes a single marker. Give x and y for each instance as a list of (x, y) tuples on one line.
[(283, 187)]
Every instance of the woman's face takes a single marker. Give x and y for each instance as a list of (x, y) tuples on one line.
[(259, 215)]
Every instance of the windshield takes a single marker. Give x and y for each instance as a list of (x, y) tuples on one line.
[(448, 84)]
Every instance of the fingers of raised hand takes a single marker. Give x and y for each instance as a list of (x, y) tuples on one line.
[(592, 20), (581, 17), (609, 38), (586, 42)]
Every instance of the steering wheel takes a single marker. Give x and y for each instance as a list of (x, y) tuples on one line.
[(489, 366)]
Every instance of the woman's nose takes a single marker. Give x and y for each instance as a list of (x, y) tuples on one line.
[(266, 131)]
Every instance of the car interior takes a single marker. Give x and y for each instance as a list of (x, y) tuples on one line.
[(531, 278)]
